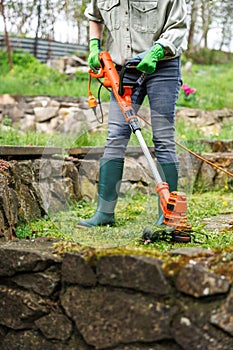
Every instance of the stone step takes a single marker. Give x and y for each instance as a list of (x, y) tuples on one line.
[(97, 151), (16, 152), (216, 146)]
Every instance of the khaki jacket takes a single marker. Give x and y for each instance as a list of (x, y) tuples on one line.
[(135, 26)]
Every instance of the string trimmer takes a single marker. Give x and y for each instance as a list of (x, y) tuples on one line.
[(173, 204)]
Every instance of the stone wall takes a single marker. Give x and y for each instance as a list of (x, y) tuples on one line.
[(47, 114), (193, 173), (106, 300), (31, 188)]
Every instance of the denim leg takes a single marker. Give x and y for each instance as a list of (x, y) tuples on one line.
[(119, 131), (162, 89)]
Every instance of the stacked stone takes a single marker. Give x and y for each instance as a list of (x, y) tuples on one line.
[(111, 301)]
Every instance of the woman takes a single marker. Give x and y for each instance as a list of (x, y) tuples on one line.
[(154, 31)]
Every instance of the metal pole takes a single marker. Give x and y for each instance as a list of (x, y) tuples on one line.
[(148, 156)]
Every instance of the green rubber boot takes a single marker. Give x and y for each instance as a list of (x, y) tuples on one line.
[(110, 176), (169, 174)]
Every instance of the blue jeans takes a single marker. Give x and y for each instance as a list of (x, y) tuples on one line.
[(162, 88)]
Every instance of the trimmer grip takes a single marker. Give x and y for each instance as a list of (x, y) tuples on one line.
[(100, 74)]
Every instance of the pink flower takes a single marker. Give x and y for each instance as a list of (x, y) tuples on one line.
[(188, 90)]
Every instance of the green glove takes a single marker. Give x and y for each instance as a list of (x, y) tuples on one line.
[(93, 58), (149, 62)]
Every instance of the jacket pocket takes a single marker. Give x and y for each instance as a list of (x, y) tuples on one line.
[(144, 16), (110, 12)]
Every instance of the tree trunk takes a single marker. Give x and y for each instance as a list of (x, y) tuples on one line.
[(194, 8), (37, 28), (206, 20), (6, 37)]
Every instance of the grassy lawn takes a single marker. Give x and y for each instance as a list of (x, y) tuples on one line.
[(133, 214), (213, 84)]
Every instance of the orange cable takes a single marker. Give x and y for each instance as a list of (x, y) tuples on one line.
[(195, 154)]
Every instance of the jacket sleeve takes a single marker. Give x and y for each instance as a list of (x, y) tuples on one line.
[(92, 12), (173, 36)]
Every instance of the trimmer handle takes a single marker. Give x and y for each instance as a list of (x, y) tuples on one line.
[(128, 65), (98, 75), (131, 64)]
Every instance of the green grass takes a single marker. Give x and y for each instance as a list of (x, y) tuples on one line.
[(213, 84), (226, 132), (13, 137), (133, 214), (29, 77), (43, 81)]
